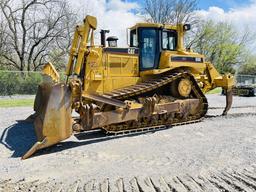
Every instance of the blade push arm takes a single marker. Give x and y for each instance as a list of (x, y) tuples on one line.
[(79, 44)]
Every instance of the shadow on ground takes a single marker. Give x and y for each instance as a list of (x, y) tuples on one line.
[(85, 138), (20, 137)]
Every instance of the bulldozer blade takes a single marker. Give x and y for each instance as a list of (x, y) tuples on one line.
[(53, 119), (41, 100), (229, 101)]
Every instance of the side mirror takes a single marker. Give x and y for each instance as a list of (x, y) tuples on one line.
[(186, 27)]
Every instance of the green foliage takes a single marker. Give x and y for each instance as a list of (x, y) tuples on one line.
[(2, 67), (249, 67), (12, 83), (215, 91), (19, 83), (221, 45)]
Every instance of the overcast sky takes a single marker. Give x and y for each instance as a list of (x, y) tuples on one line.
[(117, 15)]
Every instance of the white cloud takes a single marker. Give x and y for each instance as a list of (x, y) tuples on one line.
[(118, 15), (121, 6), (240, 17), (115, 15)]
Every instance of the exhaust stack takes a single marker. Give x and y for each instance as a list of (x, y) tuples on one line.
[(103, 37)]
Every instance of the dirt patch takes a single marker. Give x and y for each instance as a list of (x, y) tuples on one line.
[(225, 180)]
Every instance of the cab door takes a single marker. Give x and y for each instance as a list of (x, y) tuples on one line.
[(149, 48)]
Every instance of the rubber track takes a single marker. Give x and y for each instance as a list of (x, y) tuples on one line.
[(219, 181), (151, 85)]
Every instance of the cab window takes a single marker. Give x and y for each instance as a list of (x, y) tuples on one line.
[(133, 39), (169, 40)]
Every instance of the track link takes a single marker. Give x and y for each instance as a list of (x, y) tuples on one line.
[(156, 121)]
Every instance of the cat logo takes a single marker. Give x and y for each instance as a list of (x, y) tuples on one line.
[(131, 51)]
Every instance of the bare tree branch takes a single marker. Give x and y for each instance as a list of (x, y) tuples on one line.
[(170, 11), (32, 28)]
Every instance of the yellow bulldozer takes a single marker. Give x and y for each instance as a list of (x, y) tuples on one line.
[(153, 83)]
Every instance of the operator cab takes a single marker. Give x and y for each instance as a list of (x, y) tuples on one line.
[(154, 39)]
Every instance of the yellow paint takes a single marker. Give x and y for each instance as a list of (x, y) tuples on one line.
[(184, 87), (105, 72), (49, 70), (155, 25)]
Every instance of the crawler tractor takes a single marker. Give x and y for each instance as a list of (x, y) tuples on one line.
[(153, 83)]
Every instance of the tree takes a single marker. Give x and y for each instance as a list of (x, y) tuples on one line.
[(170, 11), (221, 44), (32, 29), (249, 66)]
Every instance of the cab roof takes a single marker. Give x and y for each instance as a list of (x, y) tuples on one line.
[(153, 25)]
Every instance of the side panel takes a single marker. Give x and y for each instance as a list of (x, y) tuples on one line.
[(174, 59), (94, 72), (122, 65), (112, 68), (122, 68)]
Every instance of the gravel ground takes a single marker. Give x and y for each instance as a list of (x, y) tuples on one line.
[(217, 146), (18, 97)]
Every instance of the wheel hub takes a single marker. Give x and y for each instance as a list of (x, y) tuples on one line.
[(184, 87)]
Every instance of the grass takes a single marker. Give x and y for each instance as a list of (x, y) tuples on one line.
[(215, 91), (16, 102), (30, 102)]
